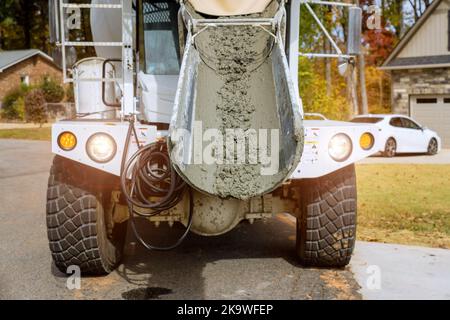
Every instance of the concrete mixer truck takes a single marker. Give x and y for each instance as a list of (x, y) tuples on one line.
[(189, 113)]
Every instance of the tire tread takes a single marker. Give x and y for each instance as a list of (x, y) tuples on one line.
[(71, 224), (327, 225)]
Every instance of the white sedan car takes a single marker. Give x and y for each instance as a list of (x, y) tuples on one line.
[(401, 134)]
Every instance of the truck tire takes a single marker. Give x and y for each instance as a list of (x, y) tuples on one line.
[(326, 227), (76, 220)]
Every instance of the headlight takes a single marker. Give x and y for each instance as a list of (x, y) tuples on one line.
[(101, 147), (340, 147), (67, 141), (366, 141)]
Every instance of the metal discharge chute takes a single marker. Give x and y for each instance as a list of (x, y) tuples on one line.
[(236, 130)]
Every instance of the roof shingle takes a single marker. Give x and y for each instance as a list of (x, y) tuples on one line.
[(419, 61), (10, 58)]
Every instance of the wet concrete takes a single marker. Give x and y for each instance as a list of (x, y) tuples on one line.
[(238, 75)]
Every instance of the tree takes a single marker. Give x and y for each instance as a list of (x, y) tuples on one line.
[(362, 79), (418, 7), (13, 107), (313, 39), (70, 96), (313, 91), (10, 33), (53, 91), (35, 107), (23, 24)]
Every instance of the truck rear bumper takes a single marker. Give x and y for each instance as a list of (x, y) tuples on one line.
[(316, 160), (83, 130)]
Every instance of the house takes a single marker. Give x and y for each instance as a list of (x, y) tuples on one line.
[(420, 70), (25, 66)]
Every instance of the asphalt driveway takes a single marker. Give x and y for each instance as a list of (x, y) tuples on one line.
[(442, 157)]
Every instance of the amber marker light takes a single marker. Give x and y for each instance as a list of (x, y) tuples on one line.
[(67, 141), (367, 141)]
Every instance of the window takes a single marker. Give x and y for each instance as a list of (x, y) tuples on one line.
[(25, 79), (426, 100), (160, 37), (446, 100), (367, 120), (396, 122), (409, 124)]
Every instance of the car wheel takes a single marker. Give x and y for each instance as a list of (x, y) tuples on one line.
[(390, 149), (432, 147)]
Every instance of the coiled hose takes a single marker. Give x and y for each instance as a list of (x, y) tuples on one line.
[(153, 185)]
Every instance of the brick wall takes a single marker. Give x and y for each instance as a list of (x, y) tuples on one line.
[(35, 67), (417, 82)]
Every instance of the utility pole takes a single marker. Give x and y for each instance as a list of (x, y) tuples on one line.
[(354, 90), (362, 79)]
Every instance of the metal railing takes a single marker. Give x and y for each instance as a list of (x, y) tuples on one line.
[(128, 105)]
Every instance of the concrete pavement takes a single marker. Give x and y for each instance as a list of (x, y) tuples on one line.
[(405, 272)]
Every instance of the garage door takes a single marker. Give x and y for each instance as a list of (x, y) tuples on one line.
[(434, 113)]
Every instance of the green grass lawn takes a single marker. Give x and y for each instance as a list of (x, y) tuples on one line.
[(407, 204), (28, 134)]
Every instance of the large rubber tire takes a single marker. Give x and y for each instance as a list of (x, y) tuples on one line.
[(326, 227), (76, 222)]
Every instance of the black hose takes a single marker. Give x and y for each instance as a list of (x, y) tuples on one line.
[(152, 176), (178, 242)]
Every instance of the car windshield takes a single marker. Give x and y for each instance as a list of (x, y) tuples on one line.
[(160, 37), (367, 120)]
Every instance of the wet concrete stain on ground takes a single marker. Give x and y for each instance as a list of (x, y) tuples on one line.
[(251, 262)]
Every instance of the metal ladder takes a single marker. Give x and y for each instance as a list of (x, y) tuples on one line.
[(128, 101)]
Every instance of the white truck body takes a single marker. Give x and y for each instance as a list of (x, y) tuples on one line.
[(315, 162), (156, 100)]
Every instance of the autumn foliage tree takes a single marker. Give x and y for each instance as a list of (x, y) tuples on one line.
[(23, 25), (35, 110)]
